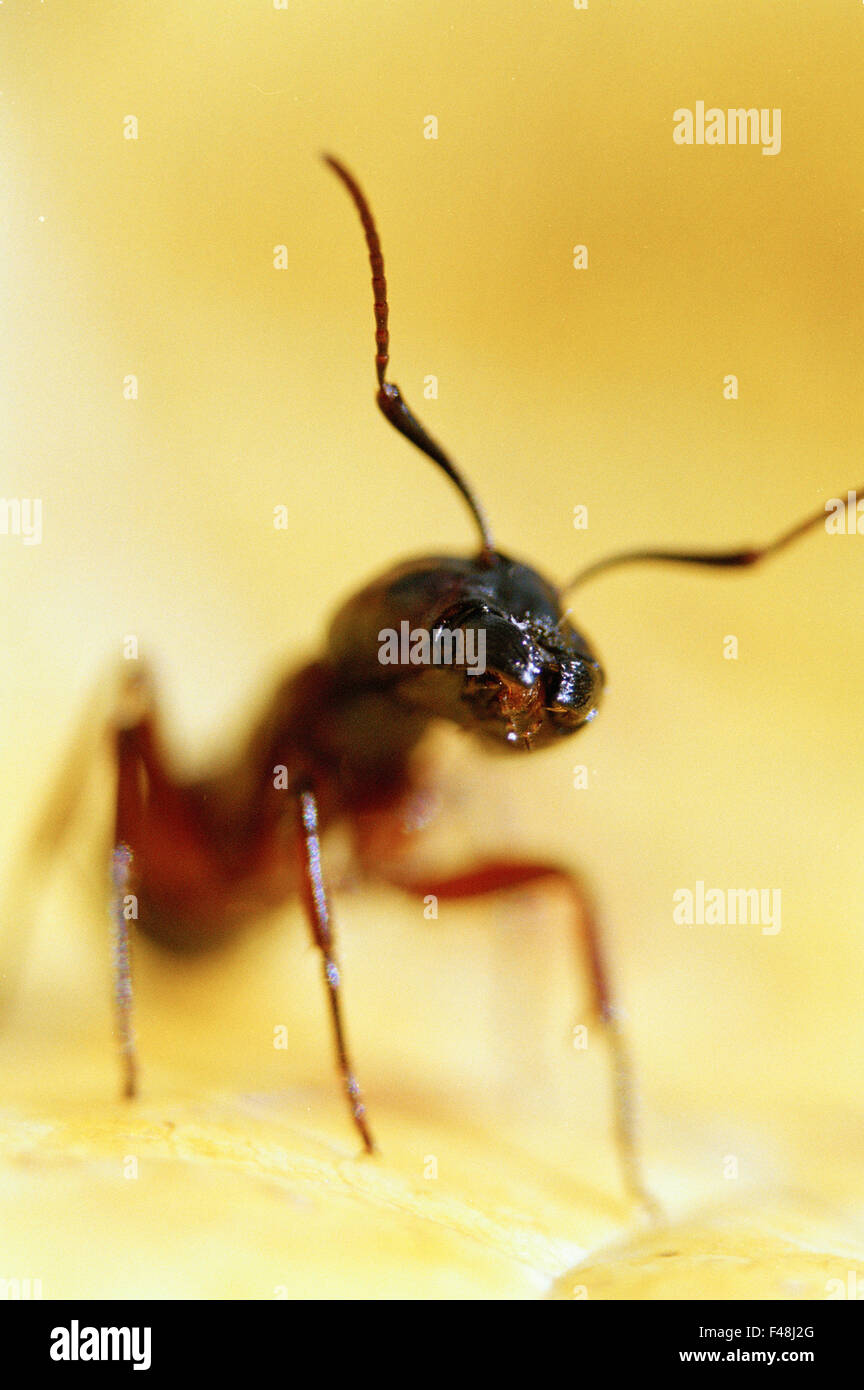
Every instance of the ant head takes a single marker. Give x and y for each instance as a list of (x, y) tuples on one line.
[(481, 642), (533, 678)]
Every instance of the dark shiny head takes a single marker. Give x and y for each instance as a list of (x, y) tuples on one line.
[(541, 680), (537, 679)]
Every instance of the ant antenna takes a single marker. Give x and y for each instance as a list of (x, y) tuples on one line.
[(389, 398), (722, 559)]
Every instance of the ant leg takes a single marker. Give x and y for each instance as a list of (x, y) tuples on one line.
[(318, 912), (499, 875), (130, 724), (34, 858)]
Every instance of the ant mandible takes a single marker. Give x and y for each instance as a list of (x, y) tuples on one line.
[(336, 745)]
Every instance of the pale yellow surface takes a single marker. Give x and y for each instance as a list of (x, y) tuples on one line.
[(556, 387)]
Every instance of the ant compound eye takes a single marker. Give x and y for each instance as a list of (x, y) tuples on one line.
[(573, 689)]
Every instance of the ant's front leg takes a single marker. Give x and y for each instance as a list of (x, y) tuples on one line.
[(315, 902), (501, 875)]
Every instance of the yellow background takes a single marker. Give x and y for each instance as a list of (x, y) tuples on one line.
[(556, 387)]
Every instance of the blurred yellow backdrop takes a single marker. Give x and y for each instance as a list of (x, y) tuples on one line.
[(153, 257)]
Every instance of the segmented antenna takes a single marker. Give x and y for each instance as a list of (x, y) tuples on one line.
[(389, 398), (722, 559)]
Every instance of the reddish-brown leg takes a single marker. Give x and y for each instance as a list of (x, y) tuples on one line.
[(499, 875), (320, 920), (155, 817)]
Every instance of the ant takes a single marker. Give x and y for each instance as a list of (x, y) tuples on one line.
[(336, 745)]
